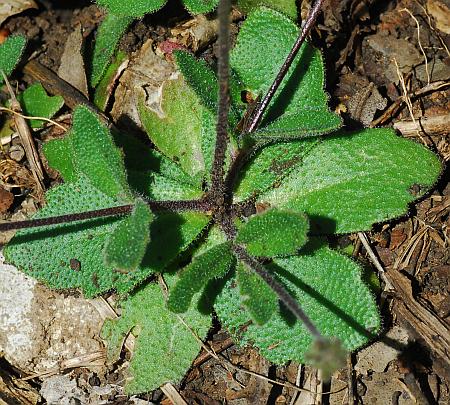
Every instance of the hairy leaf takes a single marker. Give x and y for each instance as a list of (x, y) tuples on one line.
[(256, 296), (328, 287), (59, 154), (165, 347), (213, 263), (274, 232), (48, 253), (126, 245), (135, 8), (35, 102), (105, 85), (96, 156), (269, 166), (350, 181), (300, 105), (108, 36), (176, 127), (287, 7), (10, 53), (200, 6), (204, 82)]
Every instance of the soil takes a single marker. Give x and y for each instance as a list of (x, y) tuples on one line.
[(359, 42)]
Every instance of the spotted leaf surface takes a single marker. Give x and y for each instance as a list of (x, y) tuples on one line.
[(328, 287), (165, 347), (108, 36), (274, 232), (213, 263), (256, 296), (137, 8), (10, 53), (126, 245), (71, 255), (348, 182), (299, 107)]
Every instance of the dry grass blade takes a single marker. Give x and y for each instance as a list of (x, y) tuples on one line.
[(27, 141), (171, 393)]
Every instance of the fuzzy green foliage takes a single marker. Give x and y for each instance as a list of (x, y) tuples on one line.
[(176, 129), (327, 285), (53, 248), (256, 296), (270, 166), (125, 247), (274, 232), (203, 81), (35, 102), (96, 156), (137, 8), (108, 36), (214, 263), (300, 108), (106, 83), (165, 347), (287, 7), (10, 53), (348, 182), (343, 182), (59, 156)]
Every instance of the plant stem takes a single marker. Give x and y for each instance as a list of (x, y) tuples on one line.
[(223, 71), (177, 206), (283, 295), (258, 113)]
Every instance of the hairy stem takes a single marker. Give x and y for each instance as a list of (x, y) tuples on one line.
[(283, 295), (223, 71), (258, 113), (176, 206)]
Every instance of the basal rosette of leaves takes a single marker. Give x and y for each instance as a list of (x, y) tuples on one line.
[(343, 182), (304, 181)]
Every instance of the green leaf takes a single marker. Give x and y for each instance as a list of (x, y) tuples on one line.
[(59, 154), (213, 263), (48, 253), (287, 7), (126, 245), (201, 78), (158, 187), (108, 36), (256, 296), (200, 6), (350, 181), (10, 53), (175, 127), (139, 157), (269, 166), (135, 8), (96, 156), (274, 232), (300, 105), (35, 102), (105, 85), (328, 287), (165, 347)]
